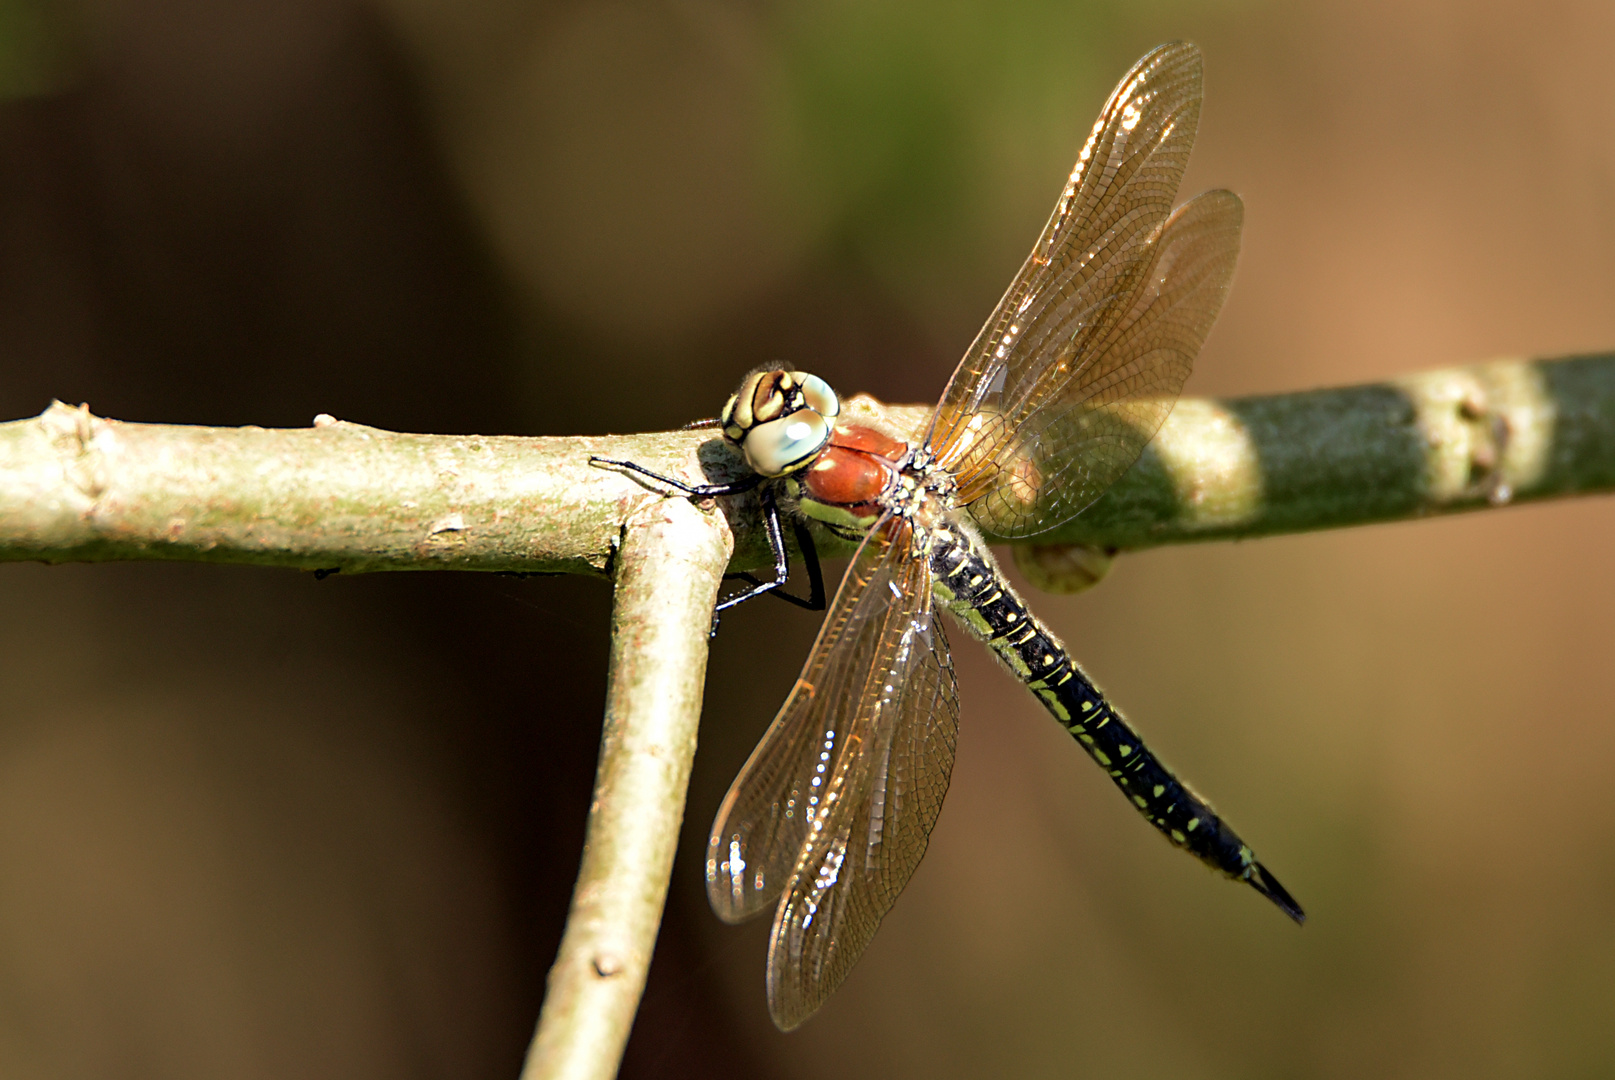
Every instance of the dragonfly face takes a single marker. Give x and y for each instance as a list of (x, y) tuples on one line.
[(780, 420), (1068, 380)]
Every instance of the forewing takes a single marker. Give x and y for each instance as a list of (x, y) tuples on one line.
[(815, 766), (1044, 352), (1062, 455), (858, 857)]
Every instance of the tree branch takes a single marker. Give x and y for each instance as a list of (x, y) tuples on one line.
[(341, 496), (1435, 442), (668, 571), (75, 487)]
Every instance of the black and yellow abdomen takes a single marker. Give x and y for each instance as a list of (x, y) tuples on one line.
[(970, 585)]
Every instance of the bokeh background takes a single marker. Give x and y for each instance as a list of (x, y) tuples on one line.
[(254, 825)]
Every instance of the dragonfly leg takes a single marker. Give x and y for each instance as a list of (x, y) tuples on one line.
[(815, 600), (810, 557), (694, 491), (782, 564)]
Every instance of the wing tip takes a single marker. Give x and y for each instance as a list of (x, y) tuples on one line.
[(787, 1022), (1180, 49), (794, 995)]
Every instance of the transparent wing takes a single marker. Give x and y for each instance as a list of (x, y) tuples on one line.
[(1064, 385), (1065, 453), (859, 857), (805, 761), (835, 806)]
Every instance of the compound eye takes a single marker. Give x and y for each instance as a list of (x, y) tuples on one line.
[(820, 398), (786, 444)]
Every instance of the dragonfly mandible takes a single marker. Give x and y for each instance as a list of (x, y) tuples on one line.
[(1071, 376)]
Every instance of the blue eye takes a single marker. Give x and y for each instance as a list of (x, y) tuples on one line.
[(783, 445), (820, 398)]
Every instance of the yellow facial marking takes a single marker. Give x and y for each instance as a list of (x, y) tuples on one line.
[(768, 409)]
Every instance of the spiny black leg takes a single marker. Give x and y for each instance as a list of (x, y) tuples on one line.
[(782, 559), (694, 491), (810, 556), (771, 527)]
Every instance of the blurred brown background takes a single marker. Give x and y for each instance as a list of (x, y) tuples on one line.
[(252, 825)]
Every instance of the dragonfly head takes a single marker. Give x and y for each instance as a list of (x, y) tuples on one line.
[(780, 419)]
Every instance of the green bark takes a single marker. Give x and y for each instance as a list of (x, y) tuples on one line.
[(341, 496)]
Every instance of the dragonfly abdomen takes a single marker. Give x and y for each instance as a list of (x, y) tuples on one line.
[(968, 582)]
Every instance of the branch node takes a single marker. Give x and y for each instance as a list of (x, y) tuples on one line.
[(73, 434)]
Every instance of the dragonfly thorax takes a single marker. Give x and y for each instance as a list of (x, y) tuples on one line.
[(854, 479), (781, 420)]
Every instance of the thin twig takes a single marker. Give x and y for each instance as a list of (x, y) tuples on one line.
[(75, 487), (668, 570)]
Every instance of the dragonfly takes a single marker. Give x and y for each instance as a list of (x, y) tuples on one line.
[(1068, 380)]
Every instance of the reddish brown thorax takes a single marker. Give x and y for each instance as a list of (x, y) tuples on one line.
[(852, 471)]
